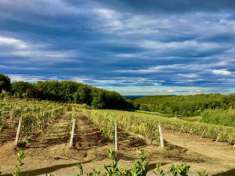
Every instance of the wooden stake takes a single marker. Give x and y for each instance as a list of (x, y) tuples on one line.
[(161, 136), (72, 133), (18, 131), (115, 137)]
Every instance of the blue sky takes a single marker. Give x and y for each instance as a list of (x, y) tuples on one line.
[(132, 46)]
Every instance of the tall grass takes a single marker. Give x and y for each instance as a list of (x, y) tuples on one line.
[(219, 116)]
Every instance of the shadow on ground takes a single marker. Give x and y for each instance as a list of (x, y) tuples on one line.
[(227, 173), (47, 170)]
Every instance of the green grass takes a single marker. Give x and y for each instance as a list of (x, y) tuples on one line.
[(192, 119), (219, 116), (155, 113)]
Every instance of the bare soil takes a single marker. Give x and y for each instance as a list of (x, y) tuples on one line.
[(7, 132), (221, 156)]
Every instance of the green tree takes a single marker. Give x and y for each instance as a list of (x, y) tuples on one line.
[(5, 83), (23, 89), (98, 100), (83, 95)]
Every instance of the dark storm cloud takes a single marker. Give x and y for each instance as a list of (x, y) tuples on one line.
[(170, 6), (134, 47)]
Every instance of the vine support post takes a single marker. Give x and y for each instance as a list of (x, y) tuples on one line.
[(115, 137), (72, 133), (18, 131), (161, 136)]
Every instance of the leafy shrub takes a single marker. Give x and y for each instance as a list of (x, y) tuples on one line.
[(140, 167), (180, 170), (177, 170)]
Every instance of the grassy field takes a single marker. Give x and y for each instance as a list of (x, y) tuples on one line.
[(224, 117)]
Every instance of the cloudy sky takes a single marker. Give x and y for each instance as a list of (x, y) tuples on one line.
[(135, 47)]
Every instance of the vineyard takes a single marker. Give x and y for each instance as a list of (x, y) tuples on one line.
[(36, 117), (147, 125), (76, 132)]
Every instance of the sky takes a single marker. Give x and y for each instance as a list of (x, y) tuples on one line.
[(134, 47)]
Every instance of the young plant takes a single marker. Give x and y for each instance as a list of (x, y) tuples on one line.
[(113, 169), (180, 170), (93, 173), (140, 167), (202, 173), (19, 164), (158, 170)]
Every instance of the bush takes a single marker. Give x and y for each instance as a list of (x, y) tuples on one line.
[(5, 83)]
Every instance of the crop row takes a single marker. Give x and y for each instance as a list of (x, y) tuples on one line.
[(147, 125), (36, 115), (105, 119)]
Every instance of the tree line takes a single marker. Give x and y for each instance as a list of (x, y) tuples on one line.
[(185, 105), (65, 91)]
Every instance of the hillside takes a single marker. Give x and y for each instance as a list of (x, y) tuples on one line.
[(65, 91), (185, 105)]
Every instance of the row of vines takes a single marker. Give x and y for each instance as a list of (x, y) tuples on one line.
[(147, 125), (36, 115)]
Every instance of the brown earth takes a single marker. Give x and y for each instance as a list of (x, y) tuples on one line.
[(222, 155)]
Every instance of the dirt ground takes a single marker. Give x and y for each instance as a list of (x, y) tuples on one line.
[(222, 155), (90, 150)]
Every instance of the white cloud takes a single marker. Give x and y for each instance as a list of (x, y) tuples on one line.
[(170, 91), (12, 42), (159, 90), (19, 77), (222, 72), (33, 51), (47, 7), (79, 79), (167, 46), (188, 75), (109, 18), (40, 54), (127, 55), (155, 69), (31, 78)]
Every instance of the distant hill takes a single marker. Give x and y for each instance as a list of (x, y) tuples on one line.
[(134, 96), (186, 105)]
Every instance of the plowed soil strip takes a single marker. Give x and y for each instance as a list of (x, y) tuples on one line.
[(56, 133), (87, 135), (8, 132)]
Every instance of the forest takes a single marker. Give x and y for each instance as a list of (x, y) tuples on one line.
[(184, 105), (64, 91)]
